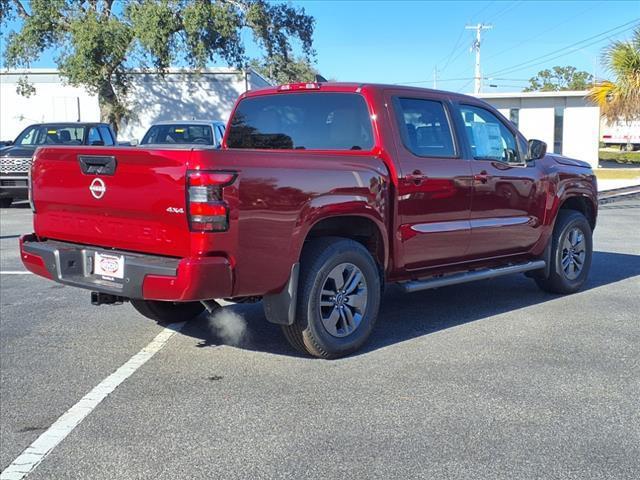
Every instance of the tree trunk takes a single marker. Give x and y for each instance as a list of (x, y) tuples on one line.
[(111, 110)]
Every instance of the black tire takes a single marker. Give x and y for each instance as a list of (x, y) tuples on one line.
[(560, 280), (168, 312), (320, 258), (5, 202)]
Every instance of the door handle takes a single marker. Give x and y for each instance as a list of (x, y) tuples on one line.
[(417, 177), (482, 177)]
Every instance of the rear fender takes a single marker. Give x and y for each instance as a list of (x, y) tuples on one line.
[(280, 306)]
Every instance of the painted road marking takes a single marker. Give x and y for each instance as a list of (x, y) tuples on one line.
[(35, 453), (16, 272)]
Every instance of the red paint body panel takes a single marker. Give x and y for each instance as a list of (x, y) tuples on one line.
[(463, 212)]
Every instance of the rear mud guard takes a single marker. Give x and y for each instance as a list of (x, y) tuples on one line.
[(280, 308)]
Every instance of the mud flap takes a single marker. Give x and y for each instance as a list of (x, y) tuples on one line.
[(280, 308)]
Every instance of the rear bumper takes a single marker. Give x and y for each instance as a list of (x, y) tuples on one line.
[(148, 277)]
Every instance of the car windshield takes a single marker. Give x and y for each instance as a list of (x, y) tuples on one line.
[(51, 135), (179, 134)]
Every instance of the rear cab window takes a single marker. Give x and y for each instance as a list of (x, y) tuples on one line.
[(302, 121)]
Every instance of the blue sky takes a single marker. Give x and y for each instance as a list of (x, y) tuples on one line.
[(403, 41)]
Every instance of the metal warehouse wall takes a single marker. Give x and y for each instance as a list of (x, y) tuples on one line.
[(177, 96)]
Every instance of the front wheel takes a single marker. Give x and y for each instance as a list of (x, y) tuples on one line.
[(167, 312), (338, 298), (571, 251)]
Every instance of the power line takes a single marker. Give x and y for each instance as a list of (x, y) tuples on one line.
[(514, 68), (529, 38), (464, 86), (547, 60), (451, 53), (475, 15), (502, 12)]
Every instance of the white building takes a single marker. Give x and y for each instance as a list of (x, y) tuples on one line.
[(179, 95), (566, 121)]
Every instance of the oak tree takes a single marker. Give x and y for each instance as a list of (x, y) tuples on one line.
[(99, 42)]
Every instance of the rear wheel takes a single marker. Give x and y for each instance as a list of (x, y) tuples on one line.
[(338, 298), (5, 202), (571, 251), (167, 312)]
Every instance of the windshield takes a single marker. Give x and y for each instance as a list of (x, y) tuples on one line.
[(51, 135), (179, 134), (315, 121)]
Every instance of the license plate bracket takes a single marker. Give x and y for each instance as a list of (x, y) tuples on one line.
[(108, 266)]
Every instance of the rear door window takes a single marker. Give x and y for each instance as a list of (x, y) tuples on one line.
[(302, 121), (424, 127)]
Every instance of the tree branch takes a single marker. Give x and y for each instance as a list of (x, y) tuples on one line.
[(22, 12)]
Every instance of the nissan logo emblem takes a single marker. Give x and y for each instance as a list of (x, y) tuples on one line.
[(97, 188)]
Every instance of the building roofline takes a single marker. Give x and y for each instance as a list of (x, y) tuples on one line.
[(563, 93), (139, 71)]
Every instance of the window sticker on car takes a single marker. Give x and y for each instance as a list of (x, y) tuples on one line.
[(52, 132), (179, 130), (487, 138)]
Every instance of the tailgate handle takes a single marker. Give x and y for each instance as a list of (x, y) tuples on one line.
[(97, 165)]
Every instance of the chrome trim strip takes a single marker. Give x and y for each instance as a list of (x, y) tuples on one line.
[(442, 227), (499, 222)]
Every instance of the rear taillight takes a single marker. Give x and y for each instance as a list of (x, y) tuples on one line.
[(208, 212)]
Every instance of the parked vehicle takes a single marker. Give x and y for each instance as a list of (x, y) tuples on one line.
[(320, 195), (190, 132), (15, 159), (625, 136)]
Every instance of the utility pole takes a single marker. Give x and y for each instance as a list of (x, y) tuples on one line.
[(435, 77), (476, 46)]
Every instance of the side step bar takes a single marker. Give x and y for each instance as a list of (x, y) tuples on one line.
[(454, 279)]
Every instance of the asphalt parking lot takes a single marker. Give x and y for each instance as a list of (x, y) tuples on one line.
[(486, 380)]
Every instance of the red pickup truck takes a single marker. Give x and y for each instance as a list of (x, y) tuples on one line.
[(321, 194)]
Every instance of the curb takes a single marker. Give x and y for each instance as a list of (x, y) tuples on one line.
[(618, 194)]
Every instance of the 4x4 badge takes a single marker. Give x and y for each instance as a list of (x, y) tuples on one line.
[(97, 188)]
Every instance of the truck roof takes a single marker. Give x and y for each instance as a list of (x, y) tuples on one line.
[(68, 124), (192, 122), (347, 87)]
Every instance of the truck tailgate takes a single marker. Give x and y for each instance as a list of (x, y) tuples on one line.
[(123, 198)]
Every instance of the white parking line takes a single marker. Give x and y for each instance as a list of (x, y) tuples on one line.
[(16, 272), (31, 457)]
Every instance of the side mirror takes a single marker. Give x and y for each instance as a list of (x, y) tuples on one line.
[(536, 149), (97, 143), (134, 142)]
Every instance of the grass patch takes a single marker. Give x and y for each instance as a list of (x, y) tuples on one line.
[(620, 157), (617, 173)]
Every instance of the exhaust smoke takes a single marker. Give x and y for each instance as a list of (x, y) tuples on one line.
[(228, 326)]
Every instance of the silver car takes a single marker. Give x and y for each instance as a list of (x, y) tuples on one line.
[(187, 132)]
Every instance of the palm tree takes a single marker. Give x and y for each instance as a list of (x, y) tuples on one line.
[(619, 100)]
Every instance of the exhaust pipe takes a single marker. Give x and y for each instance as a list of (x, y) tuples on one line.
[(210, 305)]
